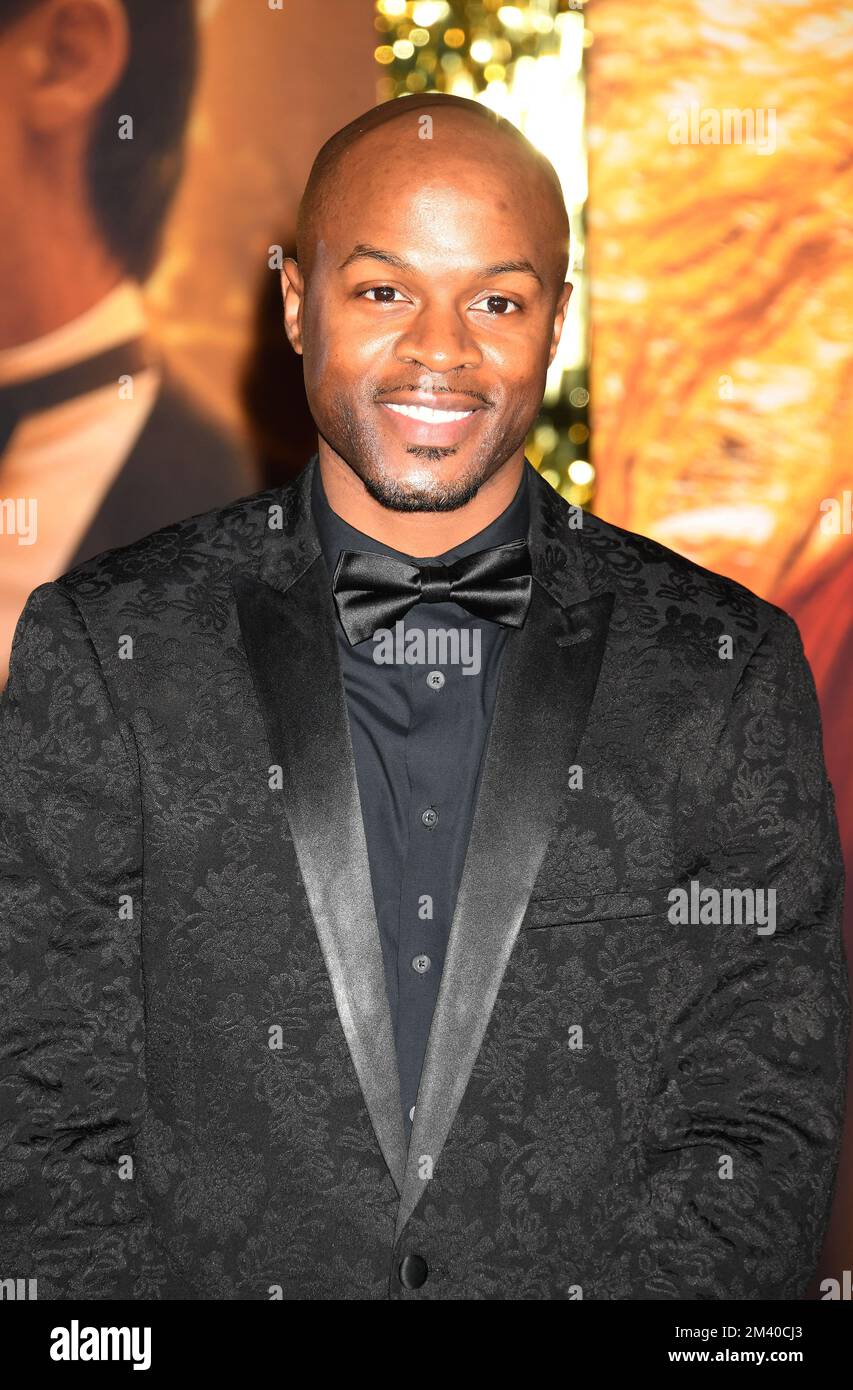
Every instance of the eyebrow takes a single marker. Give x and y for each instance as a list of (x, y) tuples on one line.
[(363, 251)]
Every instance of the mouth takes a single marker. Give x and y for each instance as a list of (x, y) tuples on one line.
[(423, 424)]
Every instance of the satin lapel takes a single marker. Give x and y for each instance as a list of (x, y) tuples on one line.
[(547, 684), (287, 626)]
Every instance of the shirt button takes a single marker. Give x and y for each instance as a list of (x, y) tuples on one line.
[(413, 1271), (421, 964), (430, 817), (435, 680)]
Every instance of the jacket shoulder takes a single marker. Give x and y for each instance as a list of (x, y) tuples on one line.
[(195, 550), (646, 573)]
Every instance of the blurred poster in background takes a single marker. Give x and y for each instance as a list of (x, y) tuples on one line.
[(101, 440), (721, 267)]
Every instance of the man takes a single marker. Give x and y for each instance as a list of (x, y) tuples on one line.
[(413, 887), (100, 443)]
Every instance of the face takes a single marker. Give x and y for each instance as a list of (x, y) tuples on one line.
[(431, 313)]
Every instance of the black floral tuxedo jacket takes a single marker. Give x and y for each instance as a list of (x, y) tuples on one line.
[(198, 1086)]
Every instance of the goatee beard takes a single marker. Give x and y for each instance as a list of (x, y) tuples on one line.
[(396, 497)]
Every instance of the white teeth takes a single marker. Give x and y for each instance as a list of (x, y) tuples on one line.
[(425, 412)]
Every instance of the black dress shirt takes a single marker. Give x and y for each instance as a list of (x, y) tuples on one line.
[(419, 699)]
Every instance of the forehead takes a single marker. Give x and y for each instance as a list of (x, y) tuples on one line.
[(462, 195)]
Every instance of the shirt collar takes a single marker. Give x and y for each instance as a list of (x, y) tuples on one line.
[(336, 535)]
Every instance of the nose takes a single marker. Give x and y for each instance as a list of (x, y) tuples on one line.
[(438, 339)]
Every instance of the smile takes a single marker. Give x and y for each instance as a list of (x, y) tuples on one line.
[(425, 412), (427, 426)]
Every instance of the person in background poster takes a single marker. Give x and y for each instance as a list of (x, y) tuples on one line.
[(100, 441)]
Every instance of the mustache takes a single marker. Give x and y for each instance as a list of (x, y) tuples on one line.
[(430, 390)]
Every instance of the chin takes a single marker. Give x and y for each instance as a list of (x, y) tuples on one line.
[(419, 490)]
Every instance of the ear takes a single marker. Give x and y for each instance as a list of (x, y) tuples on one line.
[(560, 318), (293, 294), (75, 55)]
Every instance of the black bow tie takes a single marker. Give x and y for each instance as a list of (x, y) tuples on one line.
[(373, 591)]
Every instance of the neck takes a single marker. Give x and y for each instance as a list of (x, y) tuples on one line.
[(416, 533)]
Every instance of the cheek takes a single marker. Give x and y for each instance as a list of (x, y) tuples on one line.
[(518, 358), (323, 360), (532, 369), (315, 364), (520, 374), (350, 361)]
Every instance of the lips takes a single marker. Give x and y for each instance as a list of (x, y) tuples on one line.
[(443, 400)]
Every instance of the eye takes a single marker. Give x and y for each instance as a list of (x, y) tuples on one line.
[(378, 289), (500, 299)]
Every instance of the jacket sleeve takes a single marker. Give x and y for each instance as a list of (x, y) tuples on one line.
[(733, 1193), (72, 1090)]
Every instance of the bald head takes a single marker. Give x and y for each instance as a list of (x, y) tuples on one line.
[(466, 128)]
